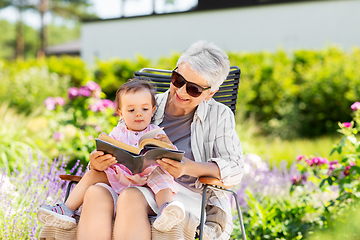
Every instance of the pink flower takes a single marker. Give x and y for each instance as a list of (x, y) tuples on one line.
[(355, 106), (60, 101), (351, 163), (58, 136), (84, 91), (298, 180), (318, 161), (50, 103), (92, 86), (73, 92), (308, 161), (97, 106), (347, 124), (347, 170), (333, 165), (107, 103), (300, 157), (96, 93)]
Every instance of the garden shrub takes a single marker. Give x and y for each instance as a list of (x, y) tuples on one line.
[(73, 67), (110, 74), (27, 88), (302, 94), (15, 137), (298, 94), (328, 83), (312, 196), (75, 121)]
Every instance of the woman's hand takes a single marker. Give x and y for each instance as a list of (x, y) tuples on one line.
[(100, 161), (191, 168), (163, 138), (175, 168)]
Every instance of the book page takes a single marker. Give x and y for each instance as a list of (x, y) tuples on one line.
[(155, 143), (119, 144), (150, 134)]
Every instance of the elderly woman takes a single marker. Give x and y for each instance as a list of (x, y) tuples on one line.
[(195, 123)]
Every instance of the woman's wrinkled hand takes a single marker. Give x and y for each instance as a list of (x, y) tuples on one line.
[(100, 161), (175, 168)]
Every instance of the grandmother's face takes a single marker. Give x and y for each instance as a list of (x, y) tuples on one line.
[(180, 97)]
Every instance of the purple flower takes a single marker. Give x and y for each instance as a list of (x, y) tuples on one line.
[(60, 101), (84, 91), (92, 86), (333, 165), (73, 93), (347, 124), (355, 106), (58, 136), (50, 103)]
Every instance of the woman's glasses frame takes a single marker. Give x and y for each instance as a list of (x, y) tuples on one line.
[(192, 89)]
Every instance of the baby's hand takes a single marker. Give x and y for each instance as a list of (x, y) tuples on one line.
[(163, 138)]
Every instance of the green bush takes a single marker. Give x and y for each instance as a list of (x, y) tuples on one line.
[(346, 226), (302, 94), (17, 137), (73, 67), (290, 95), (112, 73), (75, 122), (26, 86)]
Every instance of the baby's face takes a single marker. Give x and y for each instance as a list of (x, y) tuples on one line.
[(136, 109)]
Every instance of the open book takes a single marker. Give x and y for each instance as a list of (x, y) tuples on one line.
[(132, 157)]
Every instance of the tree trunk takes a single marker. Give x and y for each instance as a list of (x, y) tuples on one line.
[(19, 51), (153, 7), (43, 8)]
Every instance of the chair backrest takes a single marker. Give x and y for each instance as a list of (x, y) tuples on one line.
[(227, 93)]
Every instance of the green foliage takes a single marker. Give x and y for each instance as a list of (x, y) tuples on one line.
[(56, 34), (26, 87), (73, 67), (328, 82), (277, 218), (302, 95), (345, 226), (112, 73), (8, 40), (16, 137), (63, 33), (74, 123)]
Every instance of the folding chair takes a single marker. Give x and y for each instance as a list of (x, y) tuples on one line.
[(227, 94)]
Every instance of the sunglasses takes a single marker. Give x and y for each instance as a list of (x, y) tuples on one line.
[(192, 89)]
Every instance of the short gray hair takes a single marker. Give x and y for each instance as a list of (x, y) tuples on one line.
[(208, 61)]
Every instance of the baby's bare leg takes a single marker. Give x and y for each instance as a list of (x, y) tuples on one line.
[(90, 178), (163, 196)]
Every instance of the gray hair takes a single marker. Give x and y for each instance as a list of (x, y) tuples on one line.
[(208, 61)]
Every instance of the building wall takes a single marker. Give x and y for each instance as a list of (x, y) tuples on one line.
[(308, 24)]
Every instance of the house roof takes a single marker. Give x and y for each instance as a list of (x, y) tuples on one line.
[(71, 48), (205, 5)]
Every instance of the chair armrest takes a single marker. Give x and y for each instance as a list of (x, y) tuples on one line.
[(213, 181), (70, 178)]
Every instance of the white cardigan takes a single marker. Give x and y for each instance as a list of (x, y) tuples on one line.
[(213, 139)]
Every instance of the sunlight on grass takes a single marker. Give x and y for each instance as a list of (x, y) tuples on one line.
[(276, 150)]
